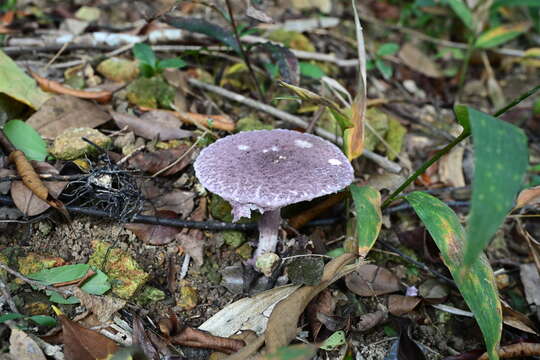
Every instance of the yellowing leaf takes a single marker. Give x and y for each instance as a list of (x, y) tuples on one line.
[(476, 282), (367, 203), (500, 35), (19, 86)]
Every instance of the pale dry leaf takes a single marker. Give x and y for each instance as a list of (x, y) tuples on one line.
[(22, 346), (178, 201), (451, 168), (282, 324), (372, 280), (102, 306), (528, 196), (64, 111), (250, 313), (29, 204), (415, 58)]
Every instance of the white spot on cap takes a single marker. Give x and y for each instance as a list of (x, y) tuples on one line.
[(303, 144), (243, 147), (275, 148), (334, 162)]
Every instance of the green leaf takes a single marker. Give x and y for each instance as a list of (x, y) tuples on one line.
[(334, 341), (26, 139), (10, 316), (19, 86), (463, 12), (500, 162), (144, 53), (475, 282), (386, 70), (500, 34), (341, 117), (146, 70), (311, 70), (172, 63), (388, 49), (55, 297), (367, 203), (205, 27), (43, 320), (60, 274), (293, 352), (98, 284)]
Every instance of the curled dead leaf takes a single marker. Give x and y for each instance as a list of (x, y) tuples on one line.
[(56, 87), (372, 280)]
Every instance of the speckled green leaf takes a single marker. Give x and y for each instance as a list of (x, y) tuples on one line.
[(367, 203), (500, 162), (475, 282)]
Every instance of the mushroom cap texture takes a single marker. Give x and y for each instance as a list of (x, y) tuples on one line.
[(267, 169)]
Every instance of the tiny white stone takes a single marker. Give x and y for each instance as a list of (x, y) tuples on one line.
[(303, 144), (243, 147), (334, 162)]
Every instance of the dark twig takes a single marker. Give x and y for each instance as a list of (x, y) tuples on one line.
[(243, 53)]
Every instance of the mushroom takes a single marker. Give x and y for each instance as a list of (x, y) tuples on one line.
[(266, 170)]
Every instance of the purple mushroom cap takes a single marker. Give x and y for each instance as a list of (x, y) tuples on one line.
[(268, 169)]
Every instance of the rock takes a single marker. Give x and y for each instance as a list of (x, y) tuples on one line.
[(118, 69), (188, 297), (245, 251), (125, 274), (267, 263), (220, 209), (151, 92), (69, 145), (251, 122), (233, 238)]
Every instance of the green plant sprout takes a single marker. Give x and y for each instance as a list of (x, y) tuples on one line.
[(150, 65), (378, 62)]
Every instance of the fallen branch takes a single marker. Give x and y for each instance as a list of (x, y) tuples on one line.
[(295, 120)]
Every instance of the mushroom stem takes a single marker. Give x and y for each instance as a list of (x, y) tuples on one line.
[(268, 232)]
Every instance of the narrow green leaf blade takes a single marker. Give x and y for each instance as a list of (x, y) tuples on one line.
[(311, 70), (10, 316), (367, 203), (172, 63), (26, 139), (500, 35), (500, 162), (476, 282), (43, 320), (60, 274), (463, 12)]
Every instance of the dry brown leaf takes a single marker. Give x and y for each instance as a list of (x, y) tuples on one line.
[(102, 306), (55, 87), (532, 243), (528, 196), (451, 168), (155, 234), (64, 111), (517, 320), (152, 125), (370, 320), (516, 350), (415, 58), (22, 346), (141, 338), (282, 324), (399, 305), (324, 303), (192, 241), (34, 202), (178, 201), (372, 280), (81, 343), (152, 162)]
